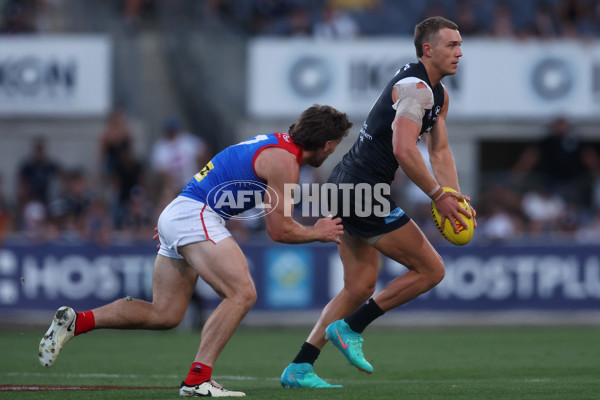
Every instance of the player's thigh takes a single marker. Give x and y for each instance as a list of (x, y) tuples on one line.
[(173, 283), (360, 261), (222, 265), (409, 246)]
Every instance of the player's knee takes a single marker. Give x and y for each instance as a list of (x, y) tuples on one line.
[(360, 290), (246, 296), (436, 273), (170, 322), (163, 321)]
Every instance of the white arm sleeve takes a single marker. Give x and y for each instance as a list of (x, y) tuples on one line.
[(412, 101)]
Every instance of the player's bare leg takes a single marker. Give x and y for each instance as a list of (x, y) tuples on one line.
[(409, 247), (224, 267), (173, 283), (360, 262)]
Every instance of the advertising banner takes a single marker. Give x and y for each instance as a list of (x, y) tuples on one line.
[(55, 75), (306, 277), (495, 78)]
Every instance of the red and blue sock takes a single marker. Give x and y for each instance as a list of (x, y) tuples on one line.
[(198, 374), (85, 322)]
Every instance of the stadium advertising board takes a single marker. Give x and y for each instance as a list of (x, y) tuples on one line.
[(494, 79), (46, 277), (55, 75)]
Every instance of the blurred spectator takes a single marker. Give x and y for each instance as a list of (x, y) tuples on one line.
[(98, 228), (544, 210), (596, 17), (502, 21), (177, 156), (354, 5), (121, 170), (467, 21), (134, 12), (575, 18), (264, 13), (6, 223), (297, 22), (18, 17), (433, 9), (544, 24), (34, 221), (589, 232), (127, 178), (500, 214), (69, 209), (565, 165), (36, 177), (138, 219), (115, 137), (499, 18), (499, 225), (335, 24)]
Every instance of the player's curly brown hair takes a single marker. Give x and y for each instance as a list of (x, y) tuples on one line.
[(317, 125), (427, 30)]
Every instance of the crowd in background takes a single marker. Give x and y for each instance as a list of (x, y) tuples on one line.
[(353, 18), (118, 200), (544, 19), (553, 190)]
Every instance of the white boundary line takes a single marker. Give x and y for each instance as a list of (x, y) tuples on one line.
[(247, 378)]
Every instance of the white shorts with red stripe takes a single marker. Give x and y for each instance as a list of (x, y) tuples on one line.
[(186, 221)]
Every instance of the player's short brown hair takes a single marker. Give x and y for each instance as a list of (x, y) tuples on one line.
[(317, 125), (428, 29)]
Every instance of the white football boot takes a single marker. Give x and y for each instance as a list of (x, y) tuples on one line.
[(208, 388), (59, 333)]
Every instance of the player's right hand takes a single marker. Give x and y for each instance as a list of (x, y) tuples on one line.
[(449, 208), (330, 229)]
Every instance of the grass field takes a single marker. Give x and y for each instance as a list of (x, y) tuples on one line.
[(410, 363)]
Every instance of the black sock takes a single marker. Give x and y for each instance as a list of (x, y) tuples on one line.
[(367, 313), (307, 354)]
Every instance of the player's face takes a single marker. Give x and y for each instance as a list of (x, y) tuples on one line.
[(446, 51), (326, 151)]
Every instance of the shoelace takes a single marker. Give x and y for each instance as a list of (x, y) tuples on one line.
[(216, 385)]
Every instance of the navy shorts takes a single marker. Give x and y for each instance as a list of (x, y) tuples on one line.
[(371, 224)]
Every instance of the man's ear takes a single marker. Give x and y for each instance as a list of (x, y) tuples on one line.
[(327, 145), (427, 49)]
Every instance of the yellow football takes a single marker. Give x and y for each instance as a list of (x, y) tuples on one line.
[(465, 233)]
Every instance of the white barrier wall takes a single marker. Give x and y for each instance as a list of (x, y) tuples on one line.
[(498, 79), (62, 76)]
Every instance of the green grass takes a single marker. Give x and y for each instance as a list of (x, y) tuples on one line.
[(429, 363)]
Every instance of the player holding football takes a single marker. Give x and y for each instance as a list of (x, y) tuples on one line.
[(412, 104), (195, 243)]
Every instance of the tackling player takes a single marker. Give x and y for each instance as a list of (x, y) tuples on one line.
[(195, 243)]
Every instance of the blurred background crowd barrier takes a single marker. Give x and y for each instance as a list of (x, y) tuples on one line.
[(108, 107)]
